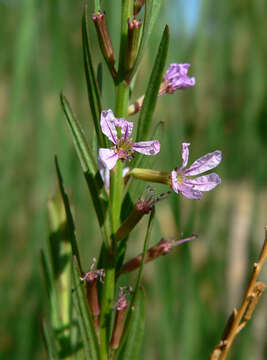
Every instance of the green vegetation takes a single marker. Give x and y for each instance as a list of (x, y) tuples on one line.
[(193, 290)]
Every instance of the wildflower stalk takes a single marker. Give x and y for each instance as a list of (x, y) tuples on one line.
[(116, 188), (240, 316)]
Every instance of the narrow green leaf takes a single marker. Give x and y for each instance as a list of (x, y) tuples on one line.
[(91, 173), (152, 8), (93, 91), (87, 161), (85, 321), (70, 222), (154, 82), (132, 347), (51, 292), (49, 341)]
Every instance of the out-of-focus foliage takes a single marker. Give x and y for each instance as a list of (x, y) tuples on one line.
[(190, 293)]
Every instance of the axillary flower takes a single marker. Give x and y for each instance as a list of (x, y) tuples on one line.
[(176, 78), (181, 178), (123, 148)]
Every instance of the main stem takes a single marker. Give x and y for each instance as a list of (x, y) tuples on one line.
[(116, 190)]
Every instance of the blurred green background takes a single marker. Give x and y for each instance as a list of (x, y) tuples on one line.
[(190, 293)]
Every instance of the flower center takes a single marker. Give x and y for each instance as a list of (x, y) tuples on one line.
[(180, 177), (124, 149)]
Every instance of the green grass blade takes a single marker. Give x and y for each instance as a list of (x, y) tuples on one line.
[(85, 321), (152, 8), (89, 167), (93, 90), (69, 218), (151, 95)]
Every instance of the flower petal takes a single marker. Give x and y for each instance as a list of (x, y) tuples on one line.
[(190, 192), (107, 123), (186, 190), (174, 181), (108, 157), (104, 173), (126, 128), (185, 154), (147, 147), (205, 182), (176, 77), (205, 163)]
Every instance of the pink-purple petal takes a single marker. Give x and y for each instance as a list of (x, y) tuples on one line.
[(108, 157), (185, 153), (147, 147), (205, 163), (205, 182), (107, 123), (176, 77), (174, 181), (104, 173), (190, 192), (126, 128)]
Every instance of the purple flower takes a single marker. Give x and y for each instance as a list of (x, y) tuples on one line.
[(182, 181), (123, 146), (176, 78)]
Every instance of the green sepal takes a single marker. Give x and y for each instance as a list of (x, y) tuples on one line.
[(88, 334), (94, 95)]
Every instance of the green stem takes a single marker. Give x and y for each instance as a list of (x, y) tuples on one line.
[(97, 6), (116, 190), (106, 304), (116, 180)]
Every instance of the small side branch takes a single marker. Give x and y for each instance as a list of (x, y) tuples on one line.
[(240, 317)]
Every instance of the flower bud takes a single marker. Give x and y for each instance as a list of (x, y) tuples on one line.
[(121, 309), (91, 290), (134, 27), (163, 247), (143, 206), (136, 106), (99, 20)]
